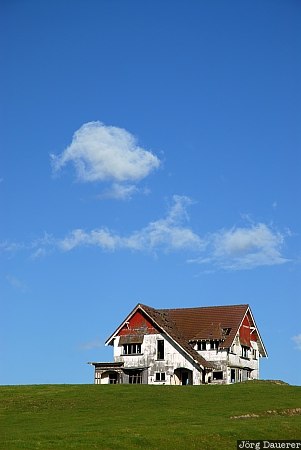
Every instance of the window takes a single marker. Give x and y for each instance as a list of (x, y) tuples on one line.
[(160, 376), (131, 349), (135, 377), (113, 378), (244, 351), (217, 375), (160, 349), (214, 345), (254, 353), (202, 345)]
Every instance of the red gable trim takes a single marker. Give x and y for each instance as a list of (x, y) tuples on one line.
[(138, 324)]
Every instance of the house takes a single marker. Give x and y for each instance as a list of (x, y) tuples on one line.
[(215, 344)]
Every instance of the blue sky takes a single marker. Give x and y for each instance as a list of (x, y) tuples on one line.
[(150, 152)]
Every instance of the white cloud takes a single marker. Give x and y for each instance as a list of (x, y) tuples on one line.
[(120, 191), (10, 247), (99, 238), (167, 234), (238, 248), (297, 340), (106, 153), (244, 248)]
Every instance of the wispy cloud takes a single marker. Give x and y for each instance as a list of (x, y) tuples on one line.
[(119, 191), (16, 283), (297, 340), (10, 247), (246, 247), (169, 233), (238, 248), (107, 154)]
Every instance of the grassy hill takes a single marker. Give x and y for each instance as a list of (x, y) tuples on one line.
[(147, 417)]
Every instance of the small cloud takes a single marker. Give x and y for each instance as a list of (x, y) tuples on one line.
[(98, 238), (274, 205), (119, 191), (96, 343), (103, 153), (42, 246), (39, 253), (122, 192), (170, 233), (244, 248), (10, 247), (16, 283), (297, 340)]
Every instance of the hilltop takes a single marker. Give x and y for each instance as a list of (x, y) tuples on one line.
[(149, 417)]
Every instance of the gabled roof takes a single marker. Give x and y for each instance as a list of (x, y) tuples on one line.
[(209, 322), (188, 325), (212, 322)]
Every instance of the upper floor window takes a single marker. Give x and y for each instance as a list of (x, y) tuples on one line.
[(244, 351), (214, 345), (202, 345), (131, 349), (232, 349), (160, 349)]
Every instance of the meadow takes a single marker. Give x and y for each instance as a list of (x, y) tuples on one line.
[(130, 417)]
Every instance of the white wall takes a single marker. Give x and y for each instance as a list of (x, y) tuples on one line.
[(174, 358)]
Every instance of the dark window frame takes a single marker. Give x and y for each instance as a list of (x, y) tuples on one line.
[(135, 377), (131, 349), (218, 375), (160, 349), (214, 344), (202, 346), (160, 376), (244, 352)]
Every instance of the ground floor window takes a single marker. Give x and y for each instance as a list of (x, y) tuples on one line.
[(218, 375), (246, 374), (135, 377), (113, 378), (160, 376)]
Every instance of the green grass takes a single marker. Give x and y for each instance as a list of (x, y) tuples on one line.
[(146, 417)]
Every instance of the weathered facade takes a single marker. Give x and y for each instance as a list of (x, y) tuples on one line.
[(219, 344)]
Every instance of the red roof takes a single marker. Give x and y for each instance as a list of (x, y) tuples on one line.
[(210, 322)]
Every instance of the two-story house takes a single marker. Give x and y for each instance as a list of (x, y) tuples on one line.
[(215, 344)]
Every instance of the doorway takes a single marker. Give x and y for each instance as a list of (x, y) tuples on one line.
[(183, 376), (233, 378)]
